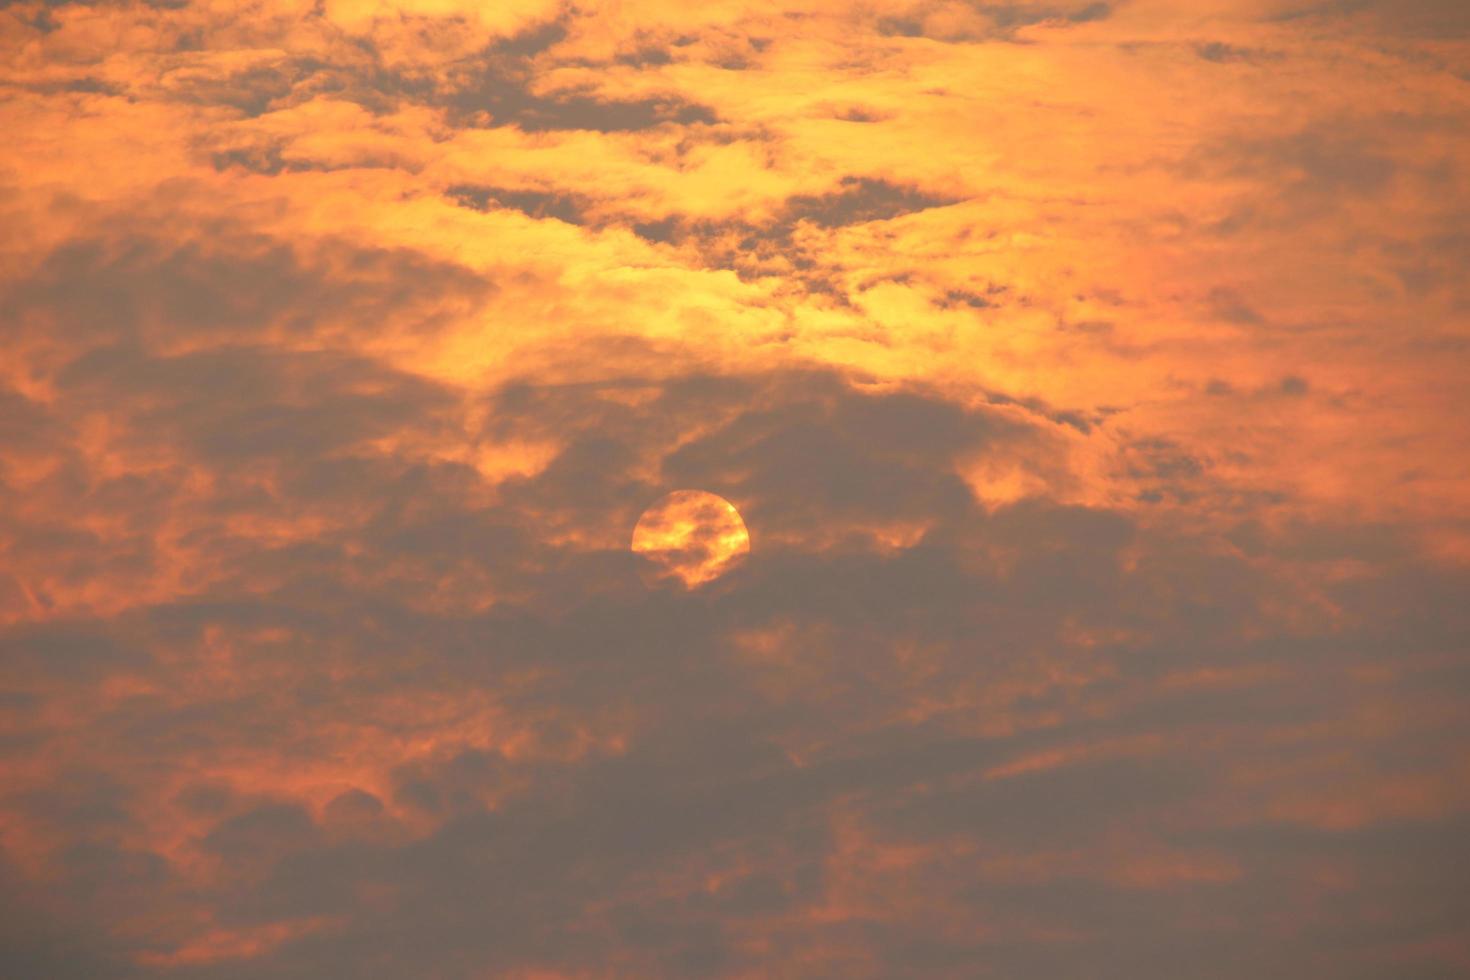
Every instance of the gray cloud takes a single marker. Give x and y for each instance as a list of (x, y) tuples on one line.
[(532, 203), (1415, 18), (500, 88), (553, 859), (926, 757), (1003, 19), (132, 288)]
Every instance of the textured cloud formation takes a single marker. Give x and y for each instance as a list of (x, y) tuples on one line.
[(1090, 377)]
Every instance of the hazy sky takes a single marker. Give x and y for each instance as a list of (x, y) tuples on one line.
[(1091, 377)]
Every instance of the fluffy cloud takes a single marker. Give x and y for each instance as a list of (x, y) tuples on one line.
[(1088, 378)]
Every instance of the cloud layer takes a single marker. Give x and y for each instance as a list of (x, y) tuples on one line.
[(1089, 376)]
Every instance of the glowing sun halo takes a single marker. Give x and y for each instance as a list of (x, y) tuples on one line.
[(690, 538)]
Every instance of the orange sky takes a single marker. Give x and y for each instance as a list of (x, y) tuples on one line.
[(1090, 375)]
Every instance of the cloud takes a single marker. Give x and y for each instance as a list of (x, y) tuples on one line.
[(499, 90), (1220, 52), (968, 22), (531, 203), (140, 289), (637, 743), (1415, 18), (1089, 395)]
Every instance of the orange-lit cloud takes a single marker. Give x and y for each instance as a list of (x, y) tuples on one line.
[(1090, 376)]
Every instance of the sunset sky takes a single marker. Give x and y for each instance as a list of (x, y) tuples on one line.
[(1092, 378)]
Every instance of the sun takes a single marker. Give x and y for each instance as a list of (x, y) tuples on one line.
[(690, 538)]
